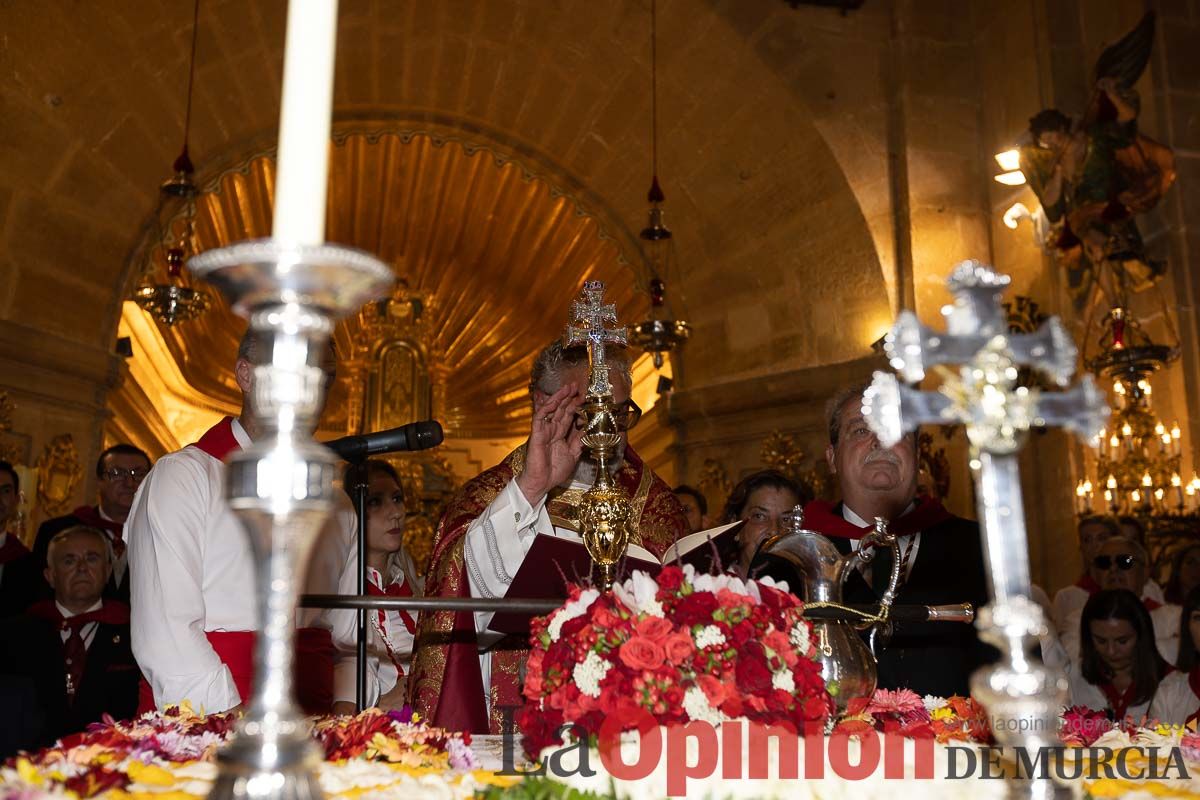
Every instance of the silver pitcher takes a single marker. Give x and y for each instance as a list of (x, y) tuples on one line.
[(847, 665)]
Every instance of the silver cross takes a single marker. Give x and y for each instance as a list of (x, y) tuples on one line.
[(590, 321), (982, 394)]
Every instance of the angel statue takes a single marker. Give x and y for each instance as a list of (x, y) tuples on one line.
[(1094, 175)]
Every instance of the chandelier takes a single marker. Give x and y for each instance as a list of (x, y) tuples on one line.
[(660, 334), (1138, 464), (173, 301)]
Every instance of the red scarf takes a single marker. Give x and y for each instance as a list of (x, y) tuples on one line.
[(110, 613), (13, 549), (1086, 583), (219, 441), (824, 517), (1151, 604), (394, 589), (1118, 701)]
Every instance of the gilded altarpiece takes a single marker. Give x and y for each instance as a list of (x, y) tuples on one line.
[(396, 376)]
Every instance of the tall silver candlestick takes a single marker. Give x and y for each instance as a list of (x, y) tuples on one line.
[(281, 487), (1022, 696)]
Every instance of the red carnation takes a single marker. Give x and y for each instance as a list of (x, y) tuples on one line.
[(641, 653), (696, 609), (751, 670)]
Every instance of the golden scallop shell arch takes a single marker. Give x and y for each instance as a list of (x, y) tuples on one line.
[(496, 247)]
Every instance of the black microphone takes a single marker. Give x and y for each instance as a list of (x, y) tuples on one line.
[(413, 436)]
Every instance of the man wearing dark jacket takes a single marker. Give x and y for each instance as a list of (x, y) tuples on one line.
[(119, 472), (941, 556), (73, 650)]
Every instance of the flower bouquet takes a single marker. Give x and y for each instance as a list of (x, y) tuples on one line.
[(680, 648)]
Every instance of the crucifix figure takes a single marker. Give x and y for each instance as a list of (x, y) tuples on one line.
[(590, 321), (1022, 696)]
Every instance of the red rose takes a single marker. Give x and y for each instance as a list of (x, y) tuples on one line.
[(670, 579), (696, 609), (656, 629), (642, 653), (741, 633), (678, 648)]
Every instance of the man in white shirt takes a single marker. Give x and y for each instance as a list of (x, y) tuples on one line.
[(74, 648), (464, 675), (193, 589)]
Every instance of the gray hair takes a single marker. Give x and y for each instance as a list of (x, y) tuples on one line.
[(833, 409), (76, 530), (248, 346), (554, 359)]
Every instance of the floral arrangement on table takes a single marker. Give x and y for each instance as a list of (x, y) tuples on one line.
[(174, 751), (681, 647), (904, 712)]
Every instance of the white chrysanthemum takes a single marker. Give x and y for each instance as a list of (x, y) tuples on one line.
[(696, 704), (589, 673), (784, 680), (709, 636), (576, 608), (799, 637), (932, 703)]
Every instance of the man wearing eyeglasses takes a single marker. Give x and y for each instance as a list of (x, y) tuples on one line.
[(119, 472), (464, 675), (1121, 563)]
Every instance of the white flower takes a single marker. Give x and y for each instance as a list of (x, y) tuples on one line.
[(589, 673), (638, 594), (932, 703), (784, 680), (709, 636), (576, 608), (696, 704), (799, 637)]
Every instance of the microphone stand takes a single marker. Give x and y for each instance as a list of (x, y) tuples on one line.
[(359, 493)]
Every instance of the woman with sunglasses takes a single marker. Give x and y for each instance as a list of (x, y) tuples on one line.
[(1121, 563), (1119, 669), (1178, 699), (390, 572)]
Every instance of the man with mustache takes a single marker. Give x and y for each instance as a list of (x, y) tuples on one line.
[(941, 556), (464, 676)]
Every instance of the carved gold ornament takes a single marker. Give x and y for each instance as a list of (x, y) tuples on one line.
[(58, 473)]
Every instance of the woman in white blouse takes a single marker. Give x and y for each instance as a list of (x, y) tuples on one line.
[(390, 572), (1119, 668), (1178, 699)]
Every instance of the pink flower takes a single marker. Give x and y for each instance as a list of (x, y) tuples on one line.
[(904, 703), (713, 689)]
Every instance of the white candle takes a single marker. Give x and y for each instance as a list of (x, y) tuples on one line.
[(303, 161)]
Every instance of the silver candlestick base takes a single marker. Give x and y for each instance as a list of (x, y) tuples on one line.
[(281, 487)]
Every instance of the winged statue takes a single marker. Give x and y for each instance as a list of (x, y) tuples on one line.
[(1095, 173)]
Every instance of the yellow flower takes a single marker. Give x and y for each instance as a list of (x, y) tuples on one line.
[(149, 774), (942, 714), (28, 772)]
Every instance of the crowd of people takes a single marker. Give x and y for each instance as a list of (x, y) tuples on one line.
[(147, 598)]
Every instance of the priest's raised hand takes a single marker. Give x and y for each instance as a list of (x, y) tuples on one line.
[(555, 444)]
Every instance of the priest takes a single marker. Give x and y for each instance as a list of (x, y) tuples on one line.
[(193, 593), (463, 676)]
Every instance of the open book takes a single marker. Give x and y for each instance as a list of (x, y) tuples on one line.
[(551, 559)]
